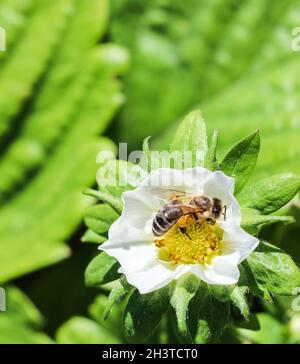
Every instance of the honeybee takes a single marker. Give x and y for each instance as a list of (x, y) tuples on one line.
[(179, 211)]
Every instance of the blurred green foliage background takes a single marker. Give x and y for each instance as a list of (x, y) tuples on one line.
[(78, 77)]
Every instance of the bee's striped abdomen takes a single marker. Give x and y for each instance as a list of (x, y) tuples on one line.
[(166, 217)]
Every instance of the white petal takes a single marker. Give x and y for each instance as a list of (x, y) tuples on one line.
[(157, 276), (133, 257), (223, 270), (217, 184), (236, 239), (135, 223)]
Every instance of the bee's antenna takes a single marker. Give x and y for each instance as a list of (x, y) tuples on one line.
[(224, 213)]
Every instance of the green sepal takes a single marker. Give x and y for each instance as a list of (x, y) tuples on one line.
[(191, 137), (147, 155), (144, 312), (102, 269), (241, 160), (100, 217), (91, 237), (236, 294), (251, 324), (208, 317), (238, 298), (117, 294), (181, 294), (211, 162), (111, 200)]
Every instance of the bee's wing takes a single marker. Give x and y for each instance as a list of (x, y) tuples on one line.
[(170, 193), (183, 193)]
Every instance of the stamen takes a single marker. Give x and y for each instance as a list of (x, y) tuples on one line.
[(197, 245)]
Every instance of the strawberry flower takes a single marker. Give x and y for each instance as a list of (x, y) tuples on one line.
[(211, 252)]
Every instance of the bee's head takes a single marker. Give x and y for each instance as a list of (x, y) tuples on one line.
[(217, 207)]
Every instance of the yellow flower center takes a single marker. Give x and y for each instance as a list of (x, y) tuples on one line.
[(198, 245)]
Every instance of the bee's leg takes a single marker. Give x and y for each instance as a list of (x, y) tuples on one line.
[(183, 231), (195, 216), (183, 222)]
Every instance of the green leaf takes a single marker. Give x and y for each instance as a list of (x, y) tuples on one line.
[(99, 218), (144, 312), (117, 294), (184, 290), (274, 270), (50, 157), (26, 64), (102, 269), (253, 221), (191, 137), (91, 237), (32, 245), (195, 63), (251, 324), (248, 279), (211, 162), (14, 25), (247, 82), (207, 316), (241, 159), (270, 194), (30, 151), (80, 330), (22, 322)]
